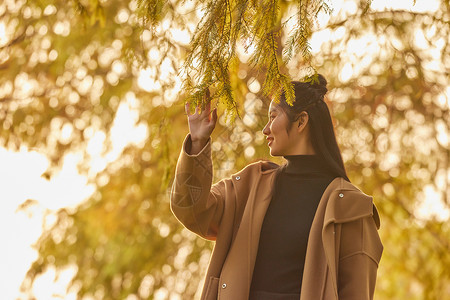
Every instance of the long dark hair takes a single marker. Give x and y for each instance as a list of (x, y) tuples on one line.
[(309, 97)]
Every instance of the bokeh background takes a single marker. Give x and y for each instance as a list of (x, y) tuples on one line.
[(92, 120)]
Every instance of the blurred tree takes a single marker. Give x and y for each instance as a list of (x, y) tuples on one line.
[(68, 71)]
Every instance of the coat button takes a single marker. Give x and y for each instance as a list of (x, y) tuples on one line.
[(224, 285), (341, 195), (237, 178)]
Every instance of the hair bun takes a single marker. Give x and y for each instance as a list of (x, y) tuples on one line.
[(319, 83)]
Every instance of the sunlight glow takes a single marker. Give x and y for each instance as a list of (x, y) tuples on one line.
[(346, 72), (181, 36), (62, 28), (366, 46), (442, 134), (245, 51), (58, 282), (20, 179), (3, 37), (147, 80), (432, 206), (154, 54), (24, 86), (419, 6)]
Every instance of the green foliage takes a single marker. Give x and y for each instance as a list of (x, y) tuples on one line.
[(366, 6), (226, 23), (151, 11)]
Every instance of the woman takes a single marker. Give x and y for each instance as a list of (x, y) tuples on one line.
[(297, 231)]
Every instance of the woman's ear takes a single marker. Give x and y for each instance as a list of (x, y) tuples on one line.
[(302, 120)]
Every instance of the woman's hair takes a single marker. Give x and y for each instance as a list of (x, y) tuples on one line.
[(309, 97)]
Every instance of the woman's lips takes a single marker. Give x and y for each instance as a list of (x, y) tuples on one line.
[(270, 140)]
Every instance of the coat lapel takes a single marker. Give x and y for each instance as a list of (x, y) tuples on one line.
[(240, 261), (328, 232), (315, 269)]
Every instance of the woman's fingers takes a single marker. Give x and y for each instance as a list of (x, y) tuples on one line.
[(207, 101), (207, 96), (203, 110), (186, 108), (207, 108), (214, 115)]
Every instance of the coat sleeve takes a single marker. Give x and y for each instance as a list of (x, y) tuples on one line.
[(196, 203), (360, 253)]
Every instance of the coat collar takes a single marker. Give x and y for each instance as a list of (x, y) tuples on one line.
[(347, 203)]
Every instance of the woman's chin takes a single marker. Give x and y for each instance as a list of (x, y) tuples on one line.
[(274, 152)]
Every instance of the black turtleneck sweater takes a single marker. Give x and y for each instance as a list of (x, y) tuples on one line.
[(284, 234)]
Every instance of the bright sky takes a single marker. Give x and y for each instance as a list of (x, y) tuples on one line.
[(20, 176), (20, 179)]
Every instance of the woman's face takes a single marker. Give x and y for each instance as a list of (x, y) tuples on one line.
[(276, 131)]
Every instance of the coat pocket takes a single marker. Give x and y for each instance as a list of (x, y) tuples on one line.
[(212, 288)]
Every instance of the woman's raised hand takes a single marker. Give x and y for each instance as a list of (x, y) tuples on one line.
[(201, 124)]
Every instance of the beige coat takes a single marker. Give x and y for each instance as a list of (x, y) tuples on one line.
[(343, 250)]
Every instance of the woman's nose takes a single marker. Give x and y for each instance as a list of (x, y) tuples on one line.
[(266, 129)]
